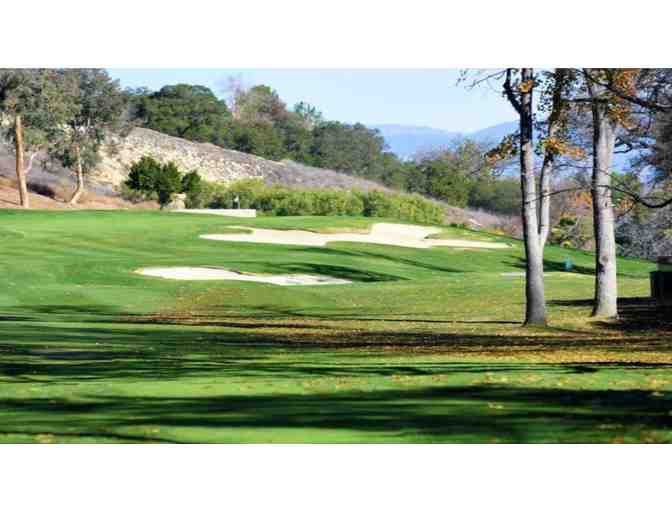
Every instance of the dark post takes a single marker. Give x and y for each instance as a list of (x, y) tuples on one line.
[(661, 281)]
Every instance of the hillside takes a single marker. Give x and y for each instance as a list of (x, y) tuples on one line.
[(213, 163)]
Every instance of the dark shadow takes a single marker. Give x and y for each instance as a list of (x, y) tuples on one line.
[(383, 256), (487, 412), (553, 266), (33, 351), (110, 348), (635, 314), (642, 314), (347, 273)]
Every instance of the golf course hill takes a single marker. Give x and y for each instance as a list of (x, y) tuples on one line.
[(213, 163)]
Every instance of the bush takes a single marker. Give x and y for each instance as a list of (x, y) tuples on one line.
[(142, 175), (168, 181), (281, 201), (150, 180), (191, 182), (203, 195)]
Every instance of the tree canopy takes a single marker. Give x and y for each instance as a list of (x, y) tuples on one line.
[(192, 112)]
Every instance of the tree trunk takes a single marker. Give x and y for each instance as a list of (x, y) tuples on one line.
[(545, 199), (80, 177), (20, 175), (555, 121), (606, 288), (535, 312)]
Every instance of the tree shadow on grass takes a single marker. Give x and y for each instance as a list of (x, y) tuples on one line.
[(483, 413), (347, 273), (403, 260), (635, 314), (109, 352), (554, 266), (32, 352)]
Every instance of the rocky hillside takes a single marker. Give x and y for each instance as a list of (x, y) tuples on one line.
[(212, 163), (53, 184)]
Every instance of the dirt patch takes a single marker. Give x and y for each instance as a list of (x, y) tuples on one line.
[(410, 236), (9, 199), (214, 273)]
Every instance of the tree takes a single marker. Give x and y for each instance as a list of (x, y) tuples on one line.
[(259, 104), (497, 194), (606, 110), (310, 115), (35, 102), (100, 106), (297, 138), (259, 138), (452, 173), (351, 149), (192, 112), (554, 101), (519, 93)]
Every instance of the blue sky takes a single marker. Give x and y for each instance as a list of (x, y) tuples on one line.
[(414, 97)]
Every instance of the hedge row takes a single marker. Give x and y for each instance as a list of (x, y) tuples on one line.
[(281, 201)]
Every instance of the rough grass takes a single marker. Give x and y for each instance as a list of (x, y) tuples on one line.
[(425, 346)]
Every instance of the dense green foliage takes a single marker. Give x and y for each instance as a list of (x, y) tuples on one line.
[(260, 123), (497, 195), (161, 181), (461, 176), (192, 112), (355, 150), (281, 201), (424, 347)]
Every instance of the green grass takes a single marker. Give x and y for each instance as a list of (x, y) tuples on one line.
[(425, 346)]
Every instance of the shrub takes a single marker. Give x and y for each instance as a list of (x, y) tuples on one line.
[(296, 203), (142, 175), (203, 195), (150, 180), (168, 181), (281, 201), (191, 182)]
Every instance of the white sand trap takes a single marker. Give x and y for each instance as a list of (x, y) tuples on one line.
[(410, 236), (213, 273)]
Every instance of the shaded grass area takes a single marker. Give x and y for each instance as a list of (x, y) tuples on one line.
[(424, 347)]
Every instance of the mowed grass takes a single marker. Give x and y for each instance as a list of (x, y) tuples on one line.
[(424, 346)]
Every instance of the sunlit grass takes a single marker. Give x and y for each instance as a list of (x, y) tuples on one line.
[(425, 345)]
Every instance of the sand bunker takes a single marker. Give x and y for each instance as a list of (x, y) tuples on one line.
[(213, 273), (410, 236)]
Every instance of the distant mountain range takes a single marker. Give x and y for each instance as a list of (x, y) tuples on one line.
[(405, 141)]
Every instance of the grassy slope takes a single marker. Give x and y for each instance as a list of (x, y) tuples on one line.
[(425, 346)]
